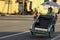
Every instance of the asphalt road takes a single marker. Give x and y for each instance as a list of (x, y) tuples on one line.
[(17, 28)]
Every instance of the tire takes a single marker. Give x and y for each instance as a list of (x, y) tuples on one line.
[(53, 29), (49, 35), (51, 32), (32, 33)]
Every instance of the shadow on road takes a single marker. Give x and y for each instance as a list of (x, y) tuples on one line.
[(28, 36)]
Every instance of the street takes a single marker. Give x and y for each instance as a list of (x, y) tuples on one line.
[(17, 28)]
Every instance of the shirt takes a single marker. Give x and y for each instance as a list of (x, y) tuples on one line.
[(51, 13)]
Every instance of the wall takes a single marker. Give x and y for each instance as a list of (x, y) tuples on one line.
[(43, 9), (13, 6), (37, 4)]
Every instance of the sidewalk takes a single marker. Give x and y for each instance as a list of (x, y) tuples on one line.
[(20, 15), (17, 17)]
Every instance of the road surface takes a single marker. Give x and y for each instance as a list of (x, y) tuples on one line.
[(17, 28)]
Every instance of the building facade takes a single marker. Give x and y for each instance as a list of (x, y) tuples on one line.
[(8, 6), (40, 8), (17, 6)]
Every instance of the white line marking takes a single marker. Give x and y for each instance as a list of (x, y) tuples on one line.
[(23, 33), (56, 37), (13, 35), (59, 39)]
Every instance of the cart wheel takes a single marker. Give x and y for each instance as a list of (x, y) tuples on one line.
[(50, 33), (32, 33), (53, 29)]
